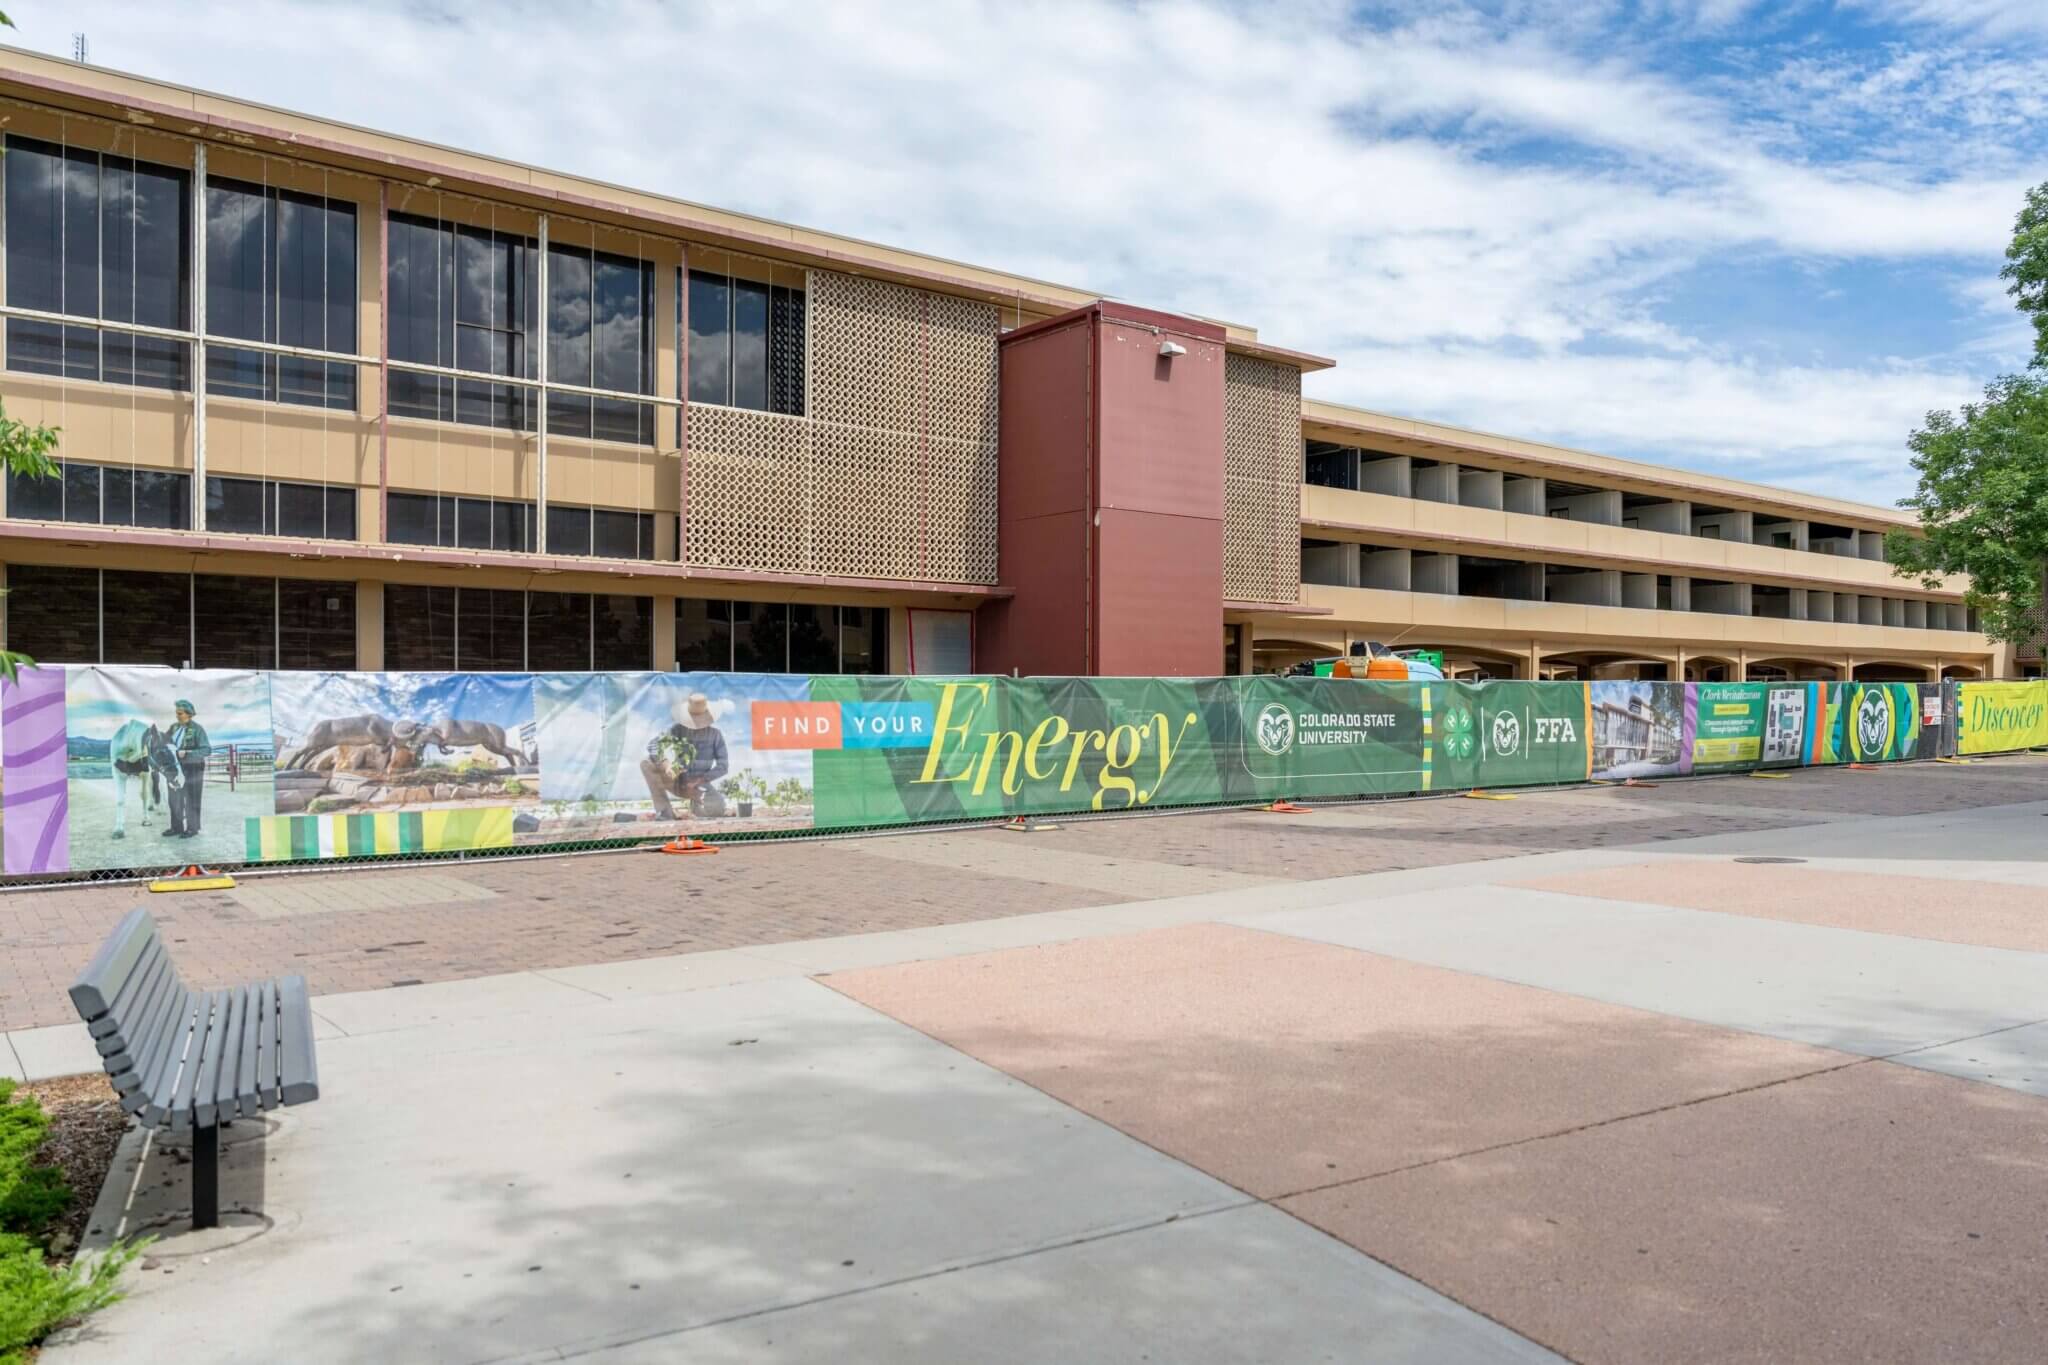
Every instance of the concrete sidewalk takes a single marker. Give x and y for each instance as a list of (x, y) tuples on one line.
[(1475, 1111)]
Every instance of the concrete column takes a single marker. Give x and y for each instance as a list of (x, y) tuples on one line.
[(1588, 587), (1729, 599), (1795, 602), (1332, 565), (1434, 573), (664, 634), (1601, 507), (1767, 532), (899, 640), (1525, 582), (1673, 518), (1834, 545), (1390, 569), (1869, 545), (1437, 483), (1846, 609), (1527, 496), (1916, 613), (1894, 611), (1392, 474), (369, 625), (1820, 606), (1534, 662), (1480, 488), (1955, 616), (1723, 525), (1870, 611), (1639, 590), (1247, 636), (1681, 593)]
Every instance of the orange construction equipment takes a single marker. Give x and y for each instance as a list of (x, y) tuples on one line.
[(683, 843), (1284, 807)]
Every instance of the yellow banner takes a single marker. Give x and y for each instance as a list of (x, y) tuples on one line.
[(1992, 717)]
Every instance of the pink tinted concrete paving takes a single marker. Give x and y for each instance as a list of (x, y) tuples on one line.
[(1279, 1065), (1988, 914), (1870, 1213)]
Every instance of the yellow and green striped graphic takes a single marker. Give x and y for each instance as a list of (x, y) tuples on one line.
[(284, 838)]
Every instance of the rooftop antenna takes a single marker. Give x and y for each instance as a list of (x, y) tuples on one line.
[(79, 47)]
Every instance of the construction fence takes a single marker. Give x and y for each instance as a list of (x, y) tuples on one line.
[(102, 772)]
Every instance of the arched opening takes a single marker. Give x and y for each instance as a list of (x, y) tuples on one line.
[(1890, 670), (1965, 671), (1473, 664), (1277, 656), (1592, 665), (1709, 668), (1793, 669)]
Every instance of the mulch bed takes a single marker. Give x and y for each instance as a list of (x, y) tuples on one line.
[(86, 1123)]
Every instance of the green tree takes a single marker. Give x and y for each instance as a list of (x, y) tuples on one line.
[(2026, 266), (1983, 504), (24, 451)]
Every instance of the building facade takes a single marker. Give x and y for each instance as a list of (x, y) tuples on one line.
[(330, 398)]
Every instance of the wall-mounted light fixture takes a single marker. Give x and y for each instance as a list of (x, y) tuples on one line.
[(1170, 349)]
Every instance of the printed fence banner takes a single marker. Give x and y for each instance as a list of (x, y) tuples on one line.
[(113, 768), (162, 766), (1992, 717), (1640, 729)]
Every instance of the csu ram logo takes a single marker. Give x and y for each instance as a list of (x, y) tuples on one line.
[(1507, 733), (1874, 722), (1275, 729)]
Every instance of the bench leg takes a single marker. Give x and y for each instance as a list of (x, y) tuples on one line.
[(205, 1177)]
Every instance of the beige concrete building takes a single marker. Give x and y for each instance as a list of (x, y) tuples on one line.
[(334, 398)]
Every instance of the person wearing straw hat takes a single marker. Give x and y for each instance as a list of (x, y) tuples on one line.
[(187, 739), (686, 760)]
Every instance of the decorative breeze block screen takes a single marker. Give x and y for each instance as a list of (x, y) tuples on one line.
[(892, 472), (1261, 480)]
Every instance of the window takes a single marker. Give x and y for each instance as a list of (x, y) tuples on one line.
[(468, 523), (316, 625), (419, 629), (272, 507), (601, 531), (600, 336), (109, 495), (462, 297), (621, 633), (104, 237), (776, 637), (234, 622), (558, 632), (53, 613), (490, 630), (145, 618), (280, 267), (746, 343)]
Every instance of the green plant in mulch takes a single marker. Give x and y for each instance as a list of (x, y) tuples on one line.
[(36, 1297)]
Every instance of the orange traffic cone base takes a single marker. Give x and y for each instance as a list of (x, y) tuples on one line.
[(683, 843)]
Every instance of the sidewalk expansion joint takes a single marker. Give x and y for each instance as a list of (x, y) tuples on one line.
[(542, 973), (20, 1066), (1966, 1038)]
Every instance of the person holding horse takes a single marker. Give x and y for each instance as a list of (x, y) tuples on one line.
[(187, 740)]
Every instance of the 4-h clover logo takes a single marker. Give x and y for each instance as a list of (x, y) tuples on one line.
[(1275, 729), (1458, 739), (1507, 733)]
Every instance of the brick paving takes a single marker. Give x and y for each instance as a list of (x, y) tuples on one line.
[(369, 926)]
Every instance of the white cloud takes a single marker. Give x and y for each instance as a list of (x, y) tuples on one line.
[(1367, 192)]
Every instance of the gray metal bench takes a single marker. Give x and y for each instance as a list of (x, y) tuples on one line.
[(185, 1060)]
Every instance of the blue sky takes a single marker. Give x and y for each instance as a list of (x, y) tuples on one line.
[(1755, 238)]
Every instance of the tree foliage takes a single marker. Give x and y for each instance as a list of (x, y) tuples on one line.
[(2026, 266), (1983, 503)]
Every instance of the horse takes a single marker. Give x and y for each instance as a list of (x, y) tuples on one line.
[(139, 749)]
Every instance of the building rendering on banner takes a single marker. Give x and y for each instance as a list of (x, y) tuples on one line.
[(334, 399)]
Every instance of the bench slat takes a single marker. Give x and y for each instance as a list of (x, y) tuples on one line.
[(160, 1083), (153, 1037), (124, 1047), (266, 1046), (196, 1054), (133, 991), (297, 1072), (210, 1050), (246, 1058), (217, 1102), (94, 991)]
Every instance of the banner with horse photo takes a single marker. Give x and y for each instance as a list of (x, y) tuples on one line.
[(160, 767)]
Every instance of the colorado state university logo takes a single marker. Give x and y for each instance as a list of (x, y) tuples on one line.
[(1507, 733), (1874, 722), (1275, 729)]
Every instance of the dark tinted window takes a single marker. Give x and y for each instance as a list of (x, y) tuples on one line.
[(82, 493), (146, 497), (237, 506), (703, 633), (863, 639), (35, 499), (568, 530), (96, 236), (234, 621), (621, 535), (746, 343), (263, 507), (316, 624), (760, 637), (558, 632), (490, 630), (419, 629), (146, 618), (53, 614), (416, 519), (710, 311), (813, 639), (601, 336), (463, 297), (281, 267), (749, 344), (622, 631)]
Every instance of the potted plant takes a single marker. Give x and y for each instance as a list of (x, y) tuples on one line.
[(738, 791)]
